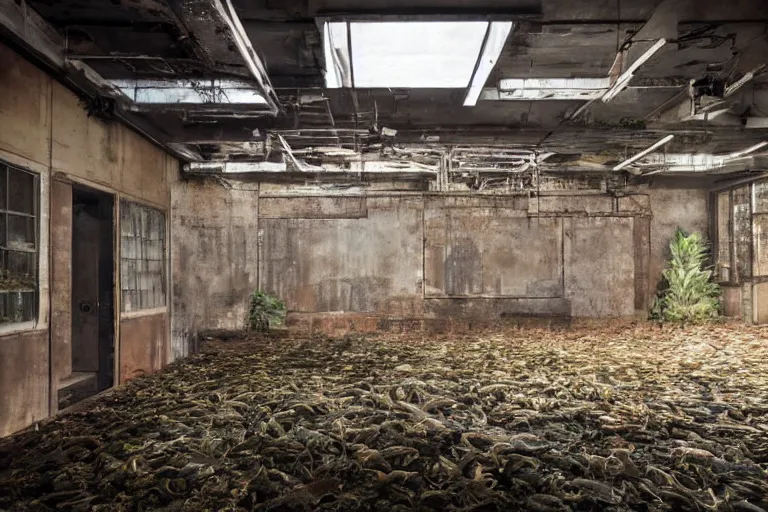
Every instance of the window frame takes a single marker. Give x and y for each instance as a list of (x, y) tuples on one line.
[(126, 208), (6, 213)]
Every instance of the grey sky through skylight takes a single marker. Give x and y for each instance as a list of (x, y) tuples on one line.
[(410, 54)]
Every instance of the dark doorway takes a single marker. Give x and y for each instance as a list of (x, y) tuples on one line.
[(93, 332)]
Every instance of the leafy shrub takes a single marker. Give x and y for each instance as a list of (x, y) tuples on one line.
[(265, 311), (687, 293)]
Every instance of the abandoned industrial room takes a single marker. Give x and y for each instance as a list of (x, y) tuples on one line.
[(401, 255)]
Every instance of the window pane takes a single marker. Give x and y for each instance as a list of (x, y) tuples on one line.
[(21, 191), (760, 266), (3, 185), (21, 233), (19, 271), (17, 307), (742, 232), (142, 256), (761, 197), (723, 235)]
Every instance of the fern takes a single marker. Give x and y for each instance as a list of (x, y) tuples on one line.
[(265, 311), (688, 293)]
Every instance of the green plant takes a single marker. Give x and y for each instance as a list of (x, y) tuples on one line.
[(687, 293), (265, 311)]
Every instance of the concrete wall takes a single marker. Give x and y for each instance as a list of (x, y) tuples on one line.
[(45, 130), (389, 259), (214, 263), (675, 204)]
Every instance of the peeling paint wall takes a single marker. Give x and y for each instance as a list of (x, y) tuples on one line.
[(398, 260), (45, 130), (214, 267)]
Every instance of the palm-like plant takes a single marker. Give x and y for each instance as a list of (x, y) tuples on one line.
[(264, 311), (688, 295)]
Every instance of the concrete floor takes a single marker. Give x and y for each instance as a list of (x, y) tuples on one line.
[(597, 417)]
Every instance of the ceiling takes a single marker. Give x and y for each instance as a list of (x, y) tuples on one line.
[(246, 86)]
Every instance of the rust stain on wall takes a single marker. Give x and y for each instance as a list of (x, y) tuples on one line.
[(491, 252), (345, 264), (143, 345), (24, 382), (642, 239), (600, 266), (732, 301)]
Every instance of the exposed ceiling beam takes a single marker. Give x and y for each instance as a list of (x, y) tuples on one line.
[(252, 60), (623, 80), (495, 38), (23, 25)]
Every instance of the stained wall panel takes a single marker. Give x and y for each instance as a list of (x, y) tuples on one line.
[(492, 252), (345, 264), (600, 266), (24, 390), (143, 345)]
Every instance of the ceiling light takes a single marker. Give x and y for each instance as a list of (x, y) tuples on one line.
[(644, 152), (548, 89)]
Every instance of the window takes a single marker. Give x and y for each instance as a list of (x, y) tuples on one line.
[(742, 233), (18, 244), (142, 257), (760, 229)]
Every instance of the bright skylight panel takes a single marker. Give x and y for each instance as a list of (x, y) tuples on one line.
[(435, 54)]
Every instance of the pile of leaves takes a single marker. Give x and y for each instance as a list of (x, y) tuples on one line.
[(688, 293), (598, 418), (264, 311)]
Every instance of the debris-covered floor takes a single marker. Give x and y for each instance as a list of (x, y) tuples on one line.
[(595, 418)]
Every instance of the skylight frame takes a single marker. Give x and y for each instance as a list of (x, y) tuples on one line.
[(338, 76)]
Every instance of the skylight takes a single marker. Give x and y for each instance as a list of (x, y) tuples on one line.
[(406, 54)]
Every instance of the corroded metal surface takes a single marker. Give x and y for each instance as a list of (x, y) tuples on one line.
[(23, 380), (143, 345)]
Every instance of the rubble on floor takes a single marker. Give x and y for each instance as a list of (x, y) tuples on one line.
[(592, 418)]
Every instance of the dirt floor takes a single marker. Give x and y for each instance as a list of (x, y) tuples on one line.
[(591, 418)]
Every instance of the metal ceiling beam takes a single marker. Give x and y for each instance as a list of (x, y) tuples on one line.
[(623, 80), (252, 60), (495, 38)]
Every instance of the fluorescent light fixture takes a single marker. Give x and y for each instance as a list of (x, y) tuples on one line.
[(410, 54), (234, 167), (494, 43), (744, 152), (548, 89), (623, 80), (644, 152), (698, 162)]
